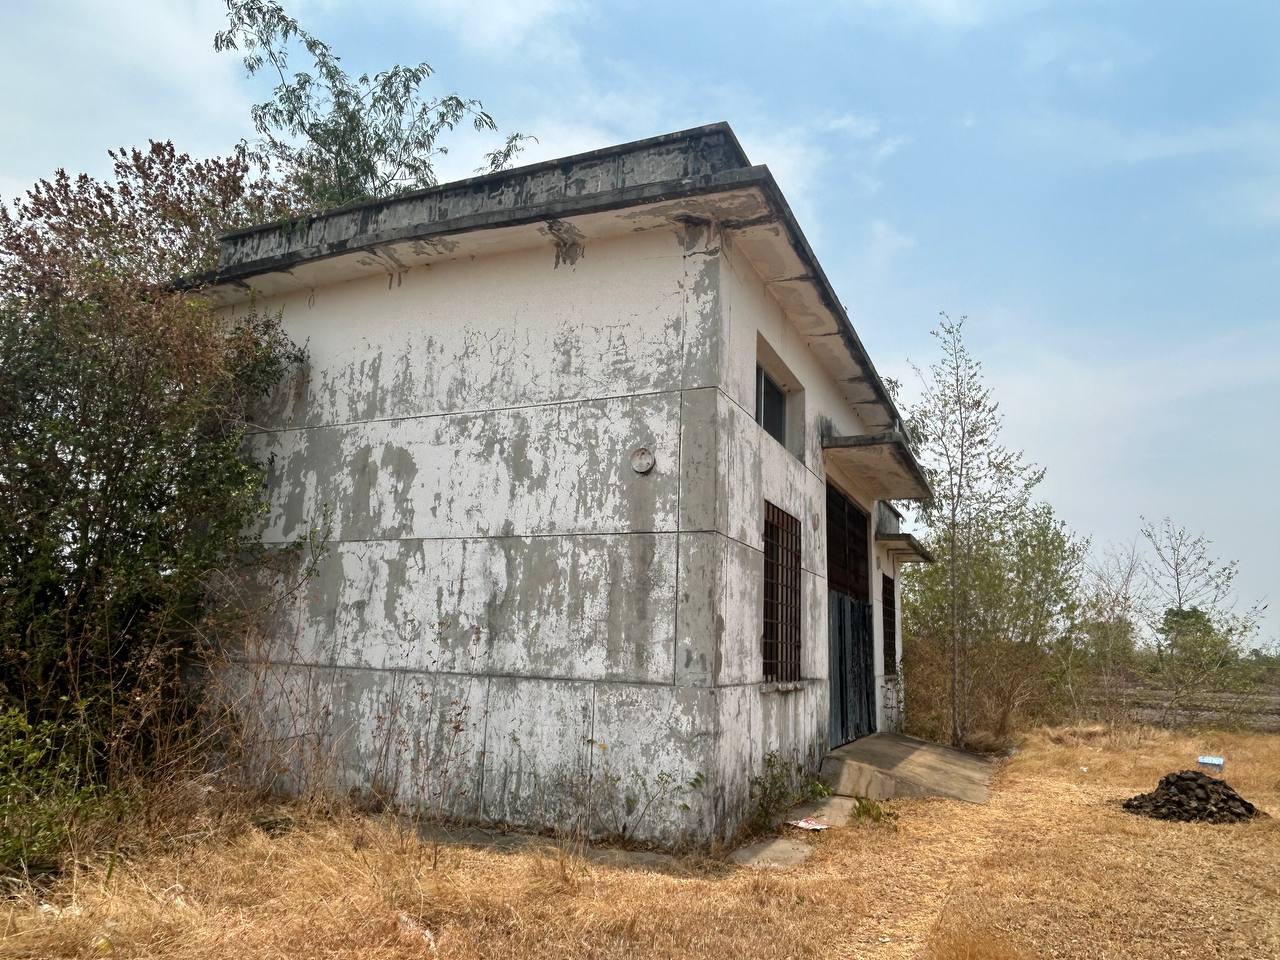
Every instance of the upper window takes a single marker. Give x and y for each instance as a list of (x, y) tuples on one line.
[(781, 595), (779, 399), (771, 406)]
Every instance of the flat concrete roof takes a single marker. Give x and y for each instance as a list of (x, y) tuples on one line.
[(700, 174)]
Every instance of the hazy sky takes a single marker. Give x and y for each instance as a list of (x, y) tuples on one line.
[(1096, 185)]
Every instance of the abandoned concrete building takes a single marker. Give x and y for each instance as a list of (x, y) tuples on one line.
[(604, 475)]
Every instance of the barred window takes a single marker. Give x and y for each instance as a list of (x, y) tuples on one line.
[(781, 595), (889, 626)]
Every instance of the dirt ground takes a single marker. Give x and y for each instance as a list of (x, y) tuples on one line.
[(1051, 867)]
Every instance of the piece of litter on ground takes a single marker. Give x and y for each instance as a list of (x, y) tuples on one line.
[(810, 823), (412, 926), (1213, 763), (1084, 769)]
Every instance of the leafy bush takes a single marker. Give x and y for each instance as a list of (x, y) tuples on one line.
[(42, 794), (124, 485), (777, 788)]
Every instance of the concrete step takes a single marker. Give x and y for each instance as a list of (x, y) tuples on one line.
[(888, 765)]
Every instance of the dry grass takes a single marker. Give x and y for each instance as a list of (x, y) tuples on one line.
[(1051, 867)]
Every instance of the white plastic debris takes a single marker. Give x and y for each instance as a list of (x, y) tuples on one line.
[(1216, 764), (810, 823), (412, 927)]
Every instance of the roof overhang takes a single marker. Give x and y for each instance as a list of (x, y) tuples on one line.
[(883, 464), (904, 548), (673, 180)]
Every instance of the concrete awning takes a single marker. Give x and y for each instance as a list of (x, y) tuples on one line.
[(904, 548), (882, 464)]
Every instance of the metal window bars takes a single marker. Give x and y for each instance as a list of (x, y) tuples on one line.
[(781, 595)]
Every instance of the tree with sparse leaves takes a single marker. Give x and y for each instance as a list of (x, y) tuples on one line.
[(341, 139), (1199, 637), (982, 492)]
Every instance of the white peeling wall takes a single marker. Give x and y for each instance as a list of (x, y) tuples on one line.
[(501, 620), (757, 718), (510, 623)]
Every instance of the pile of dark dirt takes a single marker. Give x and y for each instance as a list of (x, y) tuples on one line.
[(1193, 797)]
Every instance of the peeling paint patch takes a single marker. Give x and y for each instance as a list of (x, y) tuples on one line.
[(569, 240)]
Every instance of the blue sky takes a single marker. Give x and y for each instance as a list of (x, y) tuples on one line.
[(1095, 184)]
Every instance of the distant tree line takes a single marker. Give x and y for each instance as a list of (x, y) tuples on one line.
[(1020, 620)]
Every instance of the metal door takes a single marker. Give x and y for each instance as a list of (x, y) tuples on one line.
[(853, 671), (851, 655)]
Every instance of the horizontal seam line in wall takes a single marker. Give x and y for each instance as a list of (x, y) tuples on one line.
[(530, 536), (414, 671), (476, 410)]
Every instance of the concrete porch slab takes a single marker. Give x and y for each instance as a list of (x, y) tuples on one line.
[(887, 765), (835, 810), (778, 853)]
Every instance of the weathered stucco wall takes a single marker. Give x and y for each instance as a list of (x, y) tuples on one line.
[(509, 622), (789, 719), (495, 618)]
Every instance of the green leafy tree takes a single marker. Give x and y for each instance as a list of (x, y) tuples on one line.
[(341, 139), (1023, 583)]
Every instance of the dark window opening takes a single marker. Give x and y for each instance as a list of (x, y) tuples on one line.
[(848, 547), (889, 615), (771, 406), (781, 595)]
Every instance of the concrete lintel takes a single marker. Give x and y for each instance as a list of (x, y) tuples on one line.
[(882, 462), (904, 548)]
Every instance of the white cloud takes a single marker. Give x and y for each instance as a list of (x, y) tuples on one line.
[(846, 151), (94, 77), (1094, 140), (1083, 52), (856, 127), (502, 27), (883, 246)]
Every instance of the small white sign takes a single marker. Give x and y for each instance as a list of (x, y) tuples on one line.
[(1213, 763)]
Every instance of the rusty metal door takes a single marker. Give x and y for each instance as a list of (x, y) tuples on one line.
[(852, 711), (850, 636)]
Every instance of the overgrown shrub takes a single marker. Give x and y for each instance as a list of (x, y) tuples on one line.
[(43, 794), (124, 483)]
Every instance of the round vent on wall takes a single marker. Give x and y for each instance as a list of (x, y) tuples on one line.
[(642, 460)]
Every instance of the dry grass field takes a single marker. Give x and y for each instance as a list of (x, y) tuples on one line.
[(1051, 867)]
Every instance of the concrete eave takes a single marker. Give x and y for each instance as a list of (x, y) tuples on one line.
[(566, 205), (904, 548), (883, 464)]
